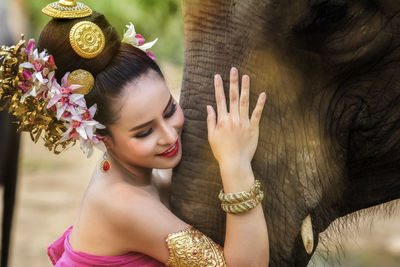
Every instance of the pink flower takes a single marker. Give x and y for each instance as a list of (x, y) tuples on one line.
[(66, 90), (82, 124), (50, 62), (43, 94), (66, 114), (137, 40), (150, 55), (26, 75), (86, 116), (63, 98), (25, 86), (73, 133), (140, 39), (30, 46), (37, 66)]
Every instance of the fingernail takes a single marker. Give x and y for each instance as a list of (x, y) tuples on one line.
[(263, 95), (233, 71), (245, 78), (208, 109)]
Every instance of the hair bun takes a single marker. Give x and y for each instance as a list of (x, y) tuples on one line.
[(55, 39)]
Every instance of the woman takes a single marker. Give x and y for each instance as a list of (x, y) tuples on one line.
[(124, 218)]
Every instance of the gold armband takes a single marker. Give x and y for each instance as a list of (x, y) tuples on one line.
[(192, 248)]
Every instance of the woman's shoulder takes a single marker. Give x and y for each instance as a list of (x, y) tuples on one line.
[(137, 220), (117, 197), (122, 203)]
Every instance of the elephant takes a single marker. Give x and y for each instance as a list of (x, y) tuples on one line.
[(329, 140)]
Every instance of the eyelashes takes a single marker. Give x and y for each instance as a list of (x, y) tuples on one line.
[(173, 109), (149, 131)]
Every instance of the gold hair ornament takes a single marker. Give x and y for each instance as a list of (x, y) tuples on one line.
[(41, 105), (67, 9), (31, 113), (190, 247), (87, 39), (83, 78)]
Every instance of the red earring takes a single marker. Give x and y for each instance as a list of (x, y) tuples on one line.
[(105, 165)]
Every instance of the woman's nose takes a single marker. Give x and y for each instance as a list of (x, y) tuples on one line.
[(169, 134)]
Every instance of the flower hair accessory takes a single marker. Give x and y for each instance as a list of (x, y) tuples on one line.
[(57, 112), (137, 40), (42, 106)]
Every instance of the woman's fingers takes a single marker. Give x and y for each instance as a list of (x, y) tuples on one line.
[(244, 99), (220, 96), (234, 93), (211, 120), (256, 115)]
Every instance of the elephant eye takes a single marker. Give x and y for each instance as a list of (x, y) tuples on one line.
[(323, 17)]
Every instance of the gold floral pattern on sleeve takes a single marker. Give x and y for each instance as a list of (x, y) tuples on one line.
[(192, 248)]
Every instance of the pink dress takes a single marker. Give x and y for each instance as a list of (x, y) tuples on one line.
[(62, 254)]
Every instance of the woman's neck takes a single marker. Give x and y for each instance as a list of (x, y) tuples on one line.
[(140, 176)]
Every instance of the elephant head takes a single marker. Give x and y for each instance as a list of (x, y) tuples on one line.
[(330, 132)]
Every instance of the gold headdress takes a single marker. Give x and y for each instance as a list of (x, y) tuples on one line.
[(86, 38), (45, 108), (42, 106), (67, 9)]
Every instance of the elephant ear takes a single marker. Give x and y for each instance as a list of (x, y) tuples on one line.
[(373, 161)]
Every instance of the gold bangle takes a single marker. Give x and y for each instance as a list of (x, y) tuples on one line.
[(240, 196), (243, 206)]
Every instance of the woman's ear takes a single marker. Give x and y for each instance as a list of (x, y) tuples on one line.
[(107, 140)]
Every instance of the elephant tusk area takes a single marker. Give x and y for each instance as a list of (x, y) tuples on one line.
[(307, 234)]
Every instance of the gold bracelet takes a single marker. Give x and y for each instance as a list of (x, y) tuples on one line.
[(243, 206), (240, 196)]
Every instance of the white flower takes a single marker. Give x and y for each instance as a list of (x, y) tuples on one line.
[(135, 39)]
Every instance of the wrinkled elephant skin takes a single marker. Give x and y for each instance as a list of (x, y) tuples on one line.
[(330, 132)]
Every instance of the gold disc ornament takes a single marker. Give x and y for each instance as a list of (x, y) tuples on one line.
[(81, 77), (87, 39), (67, 9)]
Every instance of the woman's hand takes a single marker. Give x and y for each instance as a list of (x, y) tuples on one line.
[(233, 137)]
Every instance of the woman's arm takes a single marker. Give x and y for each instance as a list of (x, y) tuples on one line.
[(233, 138)]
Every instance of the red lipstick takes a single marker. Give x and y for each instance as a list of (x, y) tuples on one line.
[(170, 152)]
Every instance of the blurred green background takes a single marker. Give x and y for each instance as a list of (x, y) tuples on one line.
[(152, 19)]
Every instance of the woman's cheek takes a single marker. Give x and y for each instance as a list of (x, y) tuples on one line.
[(180, 117), (147, 146)]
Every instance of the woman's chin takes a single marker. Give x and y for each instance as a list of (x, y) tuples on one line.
[(169, 162)]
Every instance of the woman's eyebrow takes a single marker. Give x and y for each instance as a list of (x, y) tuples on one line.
[(141, 126), (149, 122)]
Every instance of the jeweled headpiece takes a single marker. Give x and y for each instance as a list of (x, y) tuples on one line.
[(67, 9), (45, 108)]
